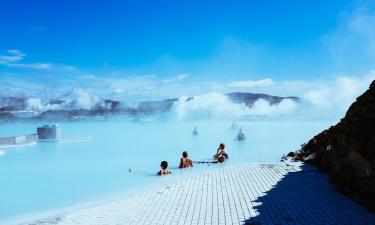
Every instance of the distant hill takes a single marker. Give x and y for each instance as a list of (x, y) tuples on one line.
[(12, 103), (13, 108)]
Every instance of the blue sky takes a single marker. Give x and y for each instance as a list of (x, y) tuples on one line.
[(52, 43)]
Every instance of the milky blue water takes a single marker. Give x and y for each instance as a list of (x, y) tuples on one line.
[(50, 177)]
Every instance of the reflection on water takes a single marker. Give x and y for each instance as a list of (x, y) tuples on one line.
[(53, 175)]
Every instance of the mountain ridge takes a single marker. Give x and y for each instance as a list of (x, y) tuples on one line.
[(10, 107)]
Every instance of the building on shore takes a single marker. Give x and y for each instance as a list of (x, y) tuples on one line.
[(18, 140), (48, 132), (44, 133)]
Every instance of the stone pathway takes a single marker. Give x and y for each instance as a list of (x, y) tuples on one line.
[(254, 194)]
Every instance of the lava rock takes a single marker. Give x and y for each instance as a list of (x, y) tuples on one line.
[(346, 151)]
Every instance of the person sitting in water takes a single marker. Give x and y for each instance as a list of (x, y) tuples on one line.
[(195, 131), (234, 126), (221, 159), (240, 136), (164, 171), (185, 161), (221, 154)]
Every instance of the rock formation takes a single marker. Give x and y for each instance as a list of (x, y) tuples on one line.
[(346, 151)]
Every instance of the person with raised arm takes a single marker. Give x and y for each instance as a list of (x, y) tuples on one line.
[(221, 154)]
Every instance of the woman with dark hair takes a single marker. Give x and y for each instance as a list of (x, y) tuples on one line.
[(221, 154), (185, 161), (164, 171)]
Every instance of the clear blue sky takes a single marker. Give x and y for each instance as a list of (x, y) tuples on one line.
[(208, 40)]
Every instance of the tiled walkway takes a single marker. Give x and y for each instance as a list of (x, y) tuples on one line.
[(254, 194)]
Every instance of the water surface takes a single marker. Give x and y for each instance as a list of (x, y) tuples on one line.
[(92, 162)]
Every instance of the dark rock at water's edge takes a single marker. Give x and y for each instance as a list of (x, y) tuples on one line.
[(346, 151)]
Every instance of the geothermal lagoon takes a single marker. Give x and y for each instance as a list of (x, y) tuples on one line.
[(91, 163)]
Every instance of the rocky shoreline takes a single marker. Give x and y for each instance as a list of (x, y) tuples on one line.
[(346, 151)]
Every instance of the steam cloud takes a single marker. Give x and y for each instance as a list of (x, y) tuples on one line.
[(335, 97), (329, 98), (217, 105), (319, 99), (77, 99), (81, 99)]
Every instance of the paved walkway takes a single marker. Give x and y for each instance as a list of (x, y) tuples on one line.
[(254, 194)]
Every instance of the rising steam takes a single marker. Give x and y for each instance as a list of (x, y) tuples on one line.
[(218, 106)]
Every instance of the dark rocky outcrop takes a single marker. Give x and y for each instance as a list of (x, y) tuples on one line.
[(151, 107), (346, 151), (69, 114), (112, 105), (12, 103)]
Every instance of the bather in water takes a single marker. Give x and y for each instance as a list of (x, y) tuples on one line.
[(185, 161), (195, 131), (240, 136), (164, 170), (221, 154), (234, 126)]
